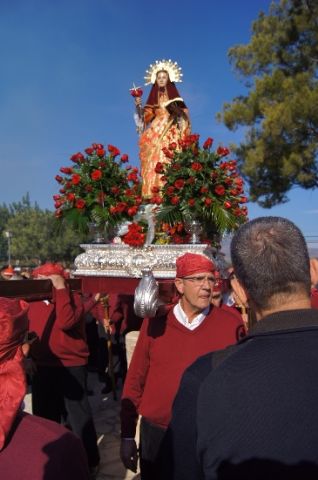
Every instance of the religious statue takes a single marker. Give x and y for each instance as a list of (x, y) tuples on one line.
[(161, 122)]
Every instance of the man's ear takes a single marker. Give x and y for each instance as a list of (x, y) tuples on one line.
[(179, 285), (314, 271), (240, 291)]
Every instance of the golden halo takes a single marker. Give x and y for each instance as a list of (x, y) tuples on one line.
[(174, 71)]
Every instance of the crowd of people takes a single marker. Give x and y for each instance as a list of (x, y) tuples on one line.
[(222, 379)]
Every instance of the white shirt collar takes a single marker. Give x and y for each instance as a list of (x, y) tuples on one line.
[(183, 319)]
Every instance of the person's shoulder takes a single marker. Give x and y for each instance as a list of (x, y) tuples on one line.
[(201, 366), (46, 429)]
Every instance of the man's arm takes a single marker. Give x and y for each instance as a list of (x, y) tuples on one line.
[(68, 313), (131, 397)]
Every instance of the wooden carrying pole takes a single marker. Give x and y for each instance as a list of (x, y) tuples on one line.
[(105, 303)]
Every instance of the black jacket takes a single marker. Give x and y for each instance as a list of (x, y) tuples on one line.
[(251, 411)]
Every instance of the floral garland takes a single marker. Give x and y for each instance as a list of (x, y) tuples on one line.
[(97, 188), (199, 184)]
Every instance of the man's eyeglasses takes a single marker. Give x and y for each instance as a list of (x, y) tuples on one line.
[(200, 279)]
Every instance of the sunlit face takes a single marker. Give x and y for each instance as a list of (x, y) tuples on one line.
[(196, 291), (162, 79)]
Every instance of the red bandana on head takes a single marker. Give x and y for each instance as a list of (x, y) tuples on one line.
[(13, 327), (49, 269), (192, 263)]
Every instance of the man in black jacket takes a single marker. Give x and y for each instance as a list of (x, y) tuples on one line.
[(250, 411)]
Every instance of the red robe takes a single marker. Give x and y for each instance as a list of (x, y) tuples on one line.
[(39, 449)]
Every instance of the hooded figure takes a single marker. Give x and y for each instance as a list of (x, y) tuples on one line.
[(30, 447)]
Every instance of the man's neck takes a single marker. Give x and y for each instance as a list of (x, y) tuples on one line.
[(297, 304), (190, 311)]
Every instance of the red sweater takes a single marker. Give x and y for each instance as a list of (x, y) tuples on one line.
[(164, 349), (61, 330), (39, 448), (314, 298)]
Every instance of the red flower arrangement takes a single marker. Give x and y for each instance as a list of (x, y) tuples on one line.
[(135, 237), (200, 184), (97, 188)]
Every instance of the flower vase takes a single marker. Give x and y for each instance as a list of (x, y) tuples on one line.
[(97, 233), (194, 228)]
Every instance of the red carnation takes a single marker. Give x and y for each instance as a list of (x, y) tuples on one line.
[(132, 177), (58, 213), (121, 206), (204, 190), (56, 197), (58, 178), (170, 190), (167, 152), (66, 170), (175, 200), (196, 166), (223, 151), (156, 199), (191, 202), (136, 92), (124, 158), (155, 189), (242, 200), (208, 143), (96, 175), (62, 190), (172, 146), (113, 150), (238, 181), (58, 203), (227, 204), (75, 179), (70, 197), (132, 211), (228, 181), (88, 188), (159, 167), (89, 151), (179, 183), (78, 157), (208, 201), (100, 152), (219, 190), (80, 203), (176, 167)]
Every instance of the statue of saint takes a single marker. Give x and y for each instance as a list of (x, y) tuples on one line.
[(162, 121)]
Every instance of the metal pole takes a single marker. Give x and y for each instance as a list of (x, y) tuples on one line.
[(9, 249)]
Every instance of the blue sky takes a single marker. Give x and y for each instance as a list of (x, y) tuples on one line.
[(67, 66)]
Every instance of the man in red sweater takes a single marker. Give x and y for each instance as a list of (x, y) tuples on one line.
[(167, 345), (59, 384), (314, 282), (31, 448)]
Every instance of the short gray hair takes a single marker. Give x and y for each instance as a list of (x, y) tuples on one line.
[(270, 257)]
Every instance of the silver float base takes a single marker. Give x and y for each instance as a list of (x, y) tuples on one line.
[(113, 260)]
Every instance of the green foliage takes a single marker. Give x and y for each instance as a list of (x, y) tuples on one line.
[(4, 217), (200, 184), (96, 188), (281, 109), (35, 235)]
